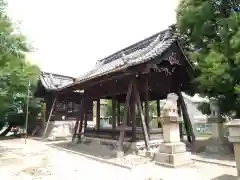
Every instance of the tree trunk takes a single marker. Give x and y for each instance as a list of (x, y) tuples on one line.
[(4, 133), (237, 114)]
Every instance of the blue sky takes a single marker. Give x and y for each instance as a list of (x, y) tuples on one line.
[(70, 36)]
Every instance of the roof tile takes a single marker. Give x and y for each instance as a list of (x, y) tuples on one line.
[(54, 81), (136, 54)]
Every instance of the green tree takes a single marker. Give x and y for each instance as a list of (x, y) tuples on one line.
[(152, 108), (15, 71), (210, 34), (109, 108)]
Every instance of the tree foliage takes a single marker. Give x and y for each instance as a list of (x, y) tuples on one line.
[(210, 34), (15, 71)]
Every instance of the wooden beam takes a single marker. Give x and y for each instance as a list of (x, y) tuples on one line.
[(137, 97), (50, 115), (186, 118), (111, 89), (98, 116), (115, 88), (126, 107), (101, 79)]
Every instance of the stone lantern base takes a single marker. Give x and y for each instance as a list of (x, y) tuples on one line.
[(218, 143), (173, 155), (222, 146), (234, 137)]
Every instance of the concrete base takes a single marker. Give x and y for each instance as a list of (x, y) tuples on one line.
[(237, 157), (149, 154), (173, 160), (119, 154), (172, 155), (220, 145), (59, 129)]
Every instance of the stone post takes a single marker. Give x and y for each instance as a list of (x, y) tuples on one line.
[(217, 143), (234, 137), (172, 152)]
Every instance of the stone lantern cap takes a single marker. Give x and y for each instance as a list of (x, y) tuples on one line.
[(170, 110), (234, 130)]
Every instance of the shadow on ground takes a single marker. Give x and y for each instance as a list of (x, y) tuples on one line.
[(225, 177)]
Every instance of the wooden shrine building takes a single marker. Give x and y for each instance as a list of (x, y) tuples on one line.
[(143, 72), (64, 107)]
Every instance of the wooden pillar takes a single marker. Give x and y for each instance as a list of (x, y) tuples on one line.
[(85, 110), (138, 101), (159, 114), (66, 107), (158, 109), (124, 123), (146, 103), (186, 118), (98, 116), (129, 116), (114, 113), (180, 115), (118, 113), (85, 116), (50, 115), (133, 118), (77, 124), (81, 126)]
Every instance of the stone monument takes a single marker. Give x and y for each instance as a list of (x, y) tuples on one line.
[(218, 143), (234, 137), (172, 152)]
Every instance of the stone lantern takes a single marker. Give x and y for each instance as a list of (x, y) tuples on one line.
[(234, 137), (217, 143), (172, 152)]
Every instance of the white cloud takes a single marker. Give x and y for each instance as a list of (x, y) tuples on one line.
[(71, 35)]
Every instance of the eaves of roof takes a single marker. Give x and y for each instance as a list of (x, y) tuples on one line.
[(52, 82)]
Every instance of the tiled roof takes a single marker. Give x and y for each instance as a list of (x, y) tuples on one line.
[(138, 53), (54, 81)]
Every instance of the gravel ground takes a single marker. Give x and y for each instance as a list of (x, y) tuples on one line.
[(36, 161)]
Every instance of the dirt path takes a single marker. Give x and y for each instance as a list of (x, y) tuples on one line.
[(38, 161)]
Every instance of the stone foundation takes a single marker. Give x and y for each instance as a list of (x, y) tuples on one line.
[(219, 146), (137, 148), (218, 143), (234, 137), (172, 154), (59, 129)]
